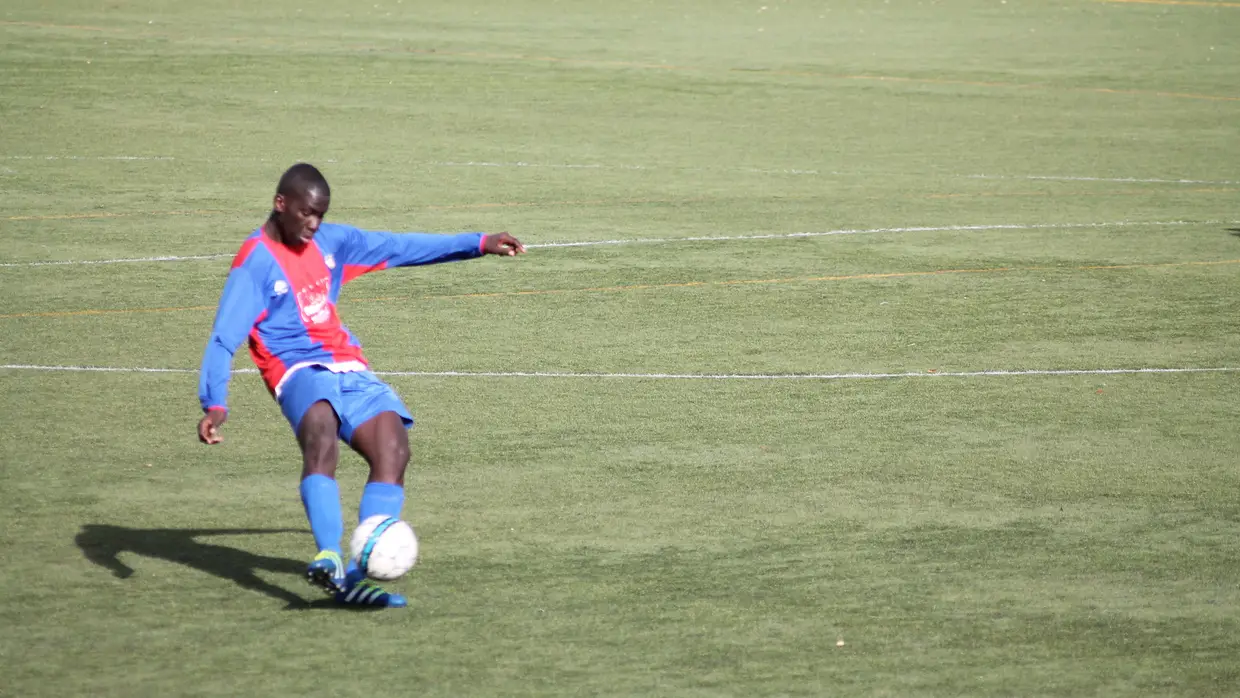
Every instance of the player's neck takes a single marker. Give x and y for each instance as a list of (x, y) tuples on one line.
[(271, 230)]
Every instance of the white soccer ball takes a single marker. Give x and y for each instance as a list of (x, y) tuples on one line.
[(385, 548)]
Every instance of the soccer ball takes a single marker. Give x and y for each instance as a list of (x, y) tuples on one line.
[(384, 547)]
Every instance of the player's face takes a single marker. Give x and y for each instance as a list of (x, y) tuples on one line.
[(300, 215)]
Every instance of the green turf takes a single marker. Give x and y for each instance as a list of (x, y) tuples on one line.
[(989, 535)]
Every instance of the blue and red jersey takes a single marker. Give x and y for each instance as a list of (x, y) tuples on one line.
[(283, 300)]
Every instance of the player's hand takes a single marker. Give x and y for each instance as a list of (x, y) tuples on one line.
[(209, 426), (502, 244)]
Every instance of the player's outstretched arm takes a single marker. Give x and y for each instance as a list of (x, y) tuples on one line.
[(364, 251), (502, 244)]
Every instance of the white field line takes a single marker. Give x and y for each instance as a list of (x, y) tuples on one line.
[(1067, 178), (678, 168), (873, 231), (700, 238), (125, 158), (682, 376), (831, 173), (604, 166), (122, 260), (554, 166)]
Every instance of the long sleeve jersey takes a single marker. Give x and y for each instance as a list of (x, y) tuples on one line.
[(283, 301)]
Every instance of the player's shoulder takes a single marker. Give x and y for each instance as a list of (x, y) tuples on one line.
[(335, 237), (334, 232), (252, 254)]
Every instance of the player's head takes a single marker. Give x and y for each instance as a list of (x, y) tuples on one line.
[(302, 199)]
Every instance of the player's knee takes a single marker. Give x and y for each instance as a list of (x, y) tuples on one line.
[(318, 440), (319, 456), (400, 453), (392, 460)]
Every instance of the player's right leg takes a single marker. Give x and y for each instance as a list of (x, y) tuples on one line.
[(320, 494), (308, 401)]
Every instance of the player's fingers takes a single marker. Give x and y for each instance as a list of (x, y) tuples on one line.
[(208, 434)]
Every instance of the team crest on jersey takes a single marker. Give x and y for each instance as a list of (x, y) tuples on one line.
[(280, 287), (330, 261), (316, 307)]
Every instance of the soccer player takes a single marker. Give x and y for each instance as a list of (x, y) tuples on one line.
[(281, 296)]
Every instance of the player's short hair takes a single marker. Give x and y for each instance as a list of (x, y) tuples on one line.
[(301, 178)]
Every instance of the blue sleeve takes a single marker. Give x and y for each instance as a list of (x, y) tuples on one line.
[(364, 251), (241, 305)]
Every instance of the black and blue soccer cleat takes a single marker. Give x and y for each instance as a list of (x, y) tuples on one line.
[(327, 572), (360, 591)]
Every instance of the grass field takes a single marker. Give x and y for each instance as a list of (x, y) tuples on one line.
[(924, 231)]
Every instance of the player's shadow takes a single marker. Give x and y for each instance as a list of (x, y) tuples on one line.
[(102, 544), (1234, 231)]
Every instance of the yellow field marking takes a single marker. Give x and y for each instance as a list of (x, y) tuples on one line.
[(210, 212), (585, 202), (108, 311), (49, 25), (643, 287), (1183, 95), (1200, 3), (1156, 266), (537, 59), (693, 284), (1014, 85), (613, 202), (109, 214), (1062, 195), (806, 73)]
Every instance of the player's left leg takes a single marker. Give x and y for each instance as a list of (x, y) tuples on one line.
[(383, 441), (375, 423)]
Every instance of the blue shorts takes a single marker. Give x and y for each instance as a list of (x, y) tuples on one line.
[(357, 397)]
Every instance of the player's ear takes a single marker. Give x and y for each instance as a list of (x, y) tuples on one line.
[(278, 203)]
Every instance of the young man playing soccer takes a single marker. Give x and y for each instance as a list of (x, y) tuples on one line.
[(281, 296)]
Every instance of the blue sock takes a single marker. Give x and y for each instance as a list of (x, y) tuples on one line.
[(378, 498), (321, 496), (381, 498)]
